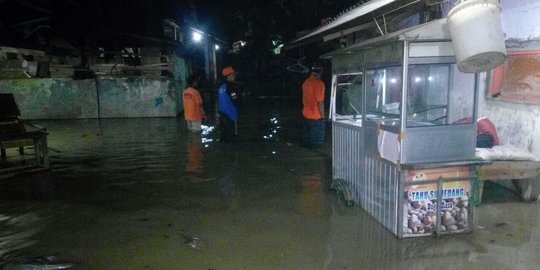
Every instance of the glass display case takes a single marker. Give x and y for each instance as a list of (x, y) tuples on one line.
[(428, 97), (404, 131)]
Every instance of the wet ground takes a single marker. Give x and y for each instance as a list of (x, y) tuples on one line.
[(147, 194)]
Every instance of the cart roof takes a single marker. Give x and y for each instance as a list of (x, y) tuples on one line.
[(434, 30)]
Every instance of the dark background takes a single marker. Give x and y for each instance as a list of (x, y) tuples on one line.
[(79, 27)]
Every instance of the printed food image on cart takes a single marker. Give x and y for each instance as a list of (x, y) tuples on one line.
[(420, 206)]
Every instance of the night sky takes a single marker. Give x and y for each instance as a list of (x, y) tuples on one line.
[(233, 19)]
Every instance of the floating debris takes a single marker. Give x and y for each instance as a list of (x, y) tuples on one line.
[(196, 179), (194, 242), (44, 263), (480, 227)]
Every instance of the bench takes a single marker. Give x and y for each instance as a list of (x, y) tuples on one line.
[(509, 163), (515, 170), (14, 134)]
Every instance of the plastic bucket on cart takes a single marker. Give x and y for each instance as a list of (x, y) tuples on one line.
[(476, 31)]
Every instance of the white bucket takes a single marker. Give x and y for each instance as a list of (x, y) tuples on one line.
[(476, 31)]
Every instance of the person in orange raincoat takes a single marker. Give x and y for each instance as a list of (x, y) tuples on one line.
[(313, 108), (193, 105)]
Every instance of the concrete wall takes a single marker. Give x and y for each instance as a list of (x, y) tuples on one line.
[(520, 19), (118, 97), (518, 123)]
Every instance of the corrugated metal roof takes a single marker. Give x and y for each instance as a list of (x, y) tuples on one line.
[(348, 16), (434, 30)]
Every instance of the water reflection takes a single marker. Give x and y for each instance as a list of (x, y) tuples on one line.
[(207, 134), (196, 147), (311, 196), (194, 153), (16, 233), (272, 131), (357, 241), (227, 178), (508, 239)]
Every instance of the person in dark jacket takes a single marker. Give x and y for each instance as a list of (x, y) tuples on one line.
[(227, 99)]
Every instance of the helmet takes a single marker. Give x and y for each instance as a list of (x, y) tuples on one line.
[(228, 70)]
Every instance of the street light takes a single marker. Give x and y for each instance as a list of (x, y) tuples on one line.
[(197, 37), (216, 47)]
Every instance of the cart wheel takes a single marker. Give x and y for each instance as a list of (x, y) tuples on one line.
[(341, 187)]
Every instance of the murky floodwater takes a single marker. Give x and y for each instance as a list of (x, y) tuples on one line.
[(147, 194)]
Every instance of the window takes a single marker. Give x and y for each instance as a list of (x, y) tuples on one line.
[(439, 94), (427, 96), (349, 96), (383, 92)]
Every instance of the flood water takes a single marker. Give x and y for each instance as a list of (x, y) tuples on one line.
[(148, 194)]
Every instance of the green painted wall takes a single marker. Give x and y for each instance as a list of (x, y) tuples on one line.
[(118, 97), (136, 97), (53, 98)]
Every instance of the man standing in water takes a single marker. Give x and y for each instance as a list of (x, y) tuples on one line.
[(313, 108), (227, 99), (193, 105)]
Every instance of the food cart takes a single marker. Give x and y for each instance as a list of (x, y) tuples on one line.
[(404, 132)]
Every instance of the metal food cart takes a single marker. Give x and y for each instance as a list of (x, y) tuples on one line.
[(404, 132)]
